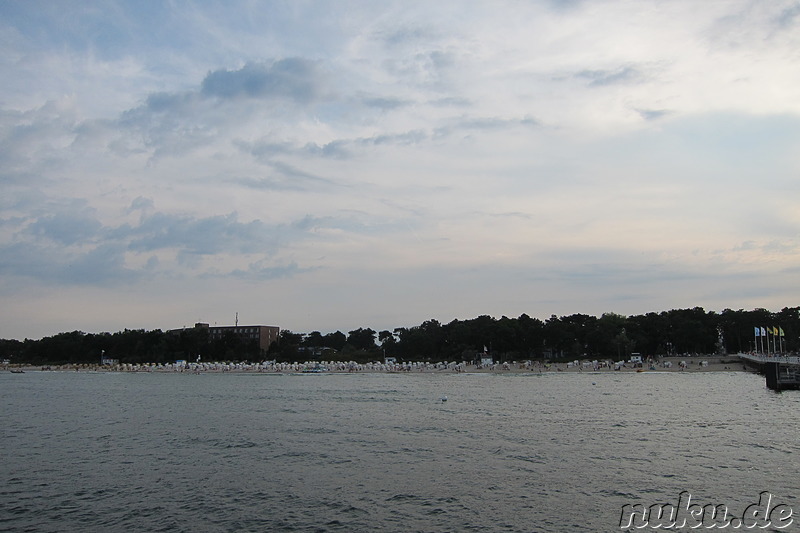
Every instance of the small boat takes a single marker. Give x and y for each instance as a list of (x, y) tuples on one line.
[(17, 371)]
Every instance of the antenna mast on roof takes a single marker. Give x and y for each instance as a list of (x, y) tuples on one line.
[(237, 318)]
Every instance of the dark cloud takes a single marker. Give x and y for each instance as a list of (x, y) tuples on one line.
[(451, 101), (441, 60), (285, 176), (788, 17), (782, 247), (66, 228), (77, 249), (294, 174), (791, 270), (33, 142), (565, 5), (161, 102), (307, 223), (14, 177), (260, 271), (484, 124), (204, 236), (12, 222), (599, 269), (404, 138), (745, 246), (266, 184), (176, 123), (29, 259), (493, 123), (343, 148), (141, 203), (295, 79), (334, 149), (102, 265), (405, 35), (653, 114), (601, 78), (223, 234), (267, 152), (166, 125), (384, 103), (421, 59)]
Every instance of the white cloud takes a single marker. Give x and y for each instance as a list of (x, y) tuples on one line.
[(325, 165)]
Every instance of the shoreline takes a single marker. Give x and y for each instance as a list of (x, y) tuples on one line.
[(668, 364)]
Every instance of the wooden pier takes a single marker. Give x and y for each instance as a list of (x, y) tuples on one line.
[(782, 372)]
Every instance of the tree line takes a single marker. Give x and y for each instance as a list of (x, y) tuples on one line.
[(610, 336)]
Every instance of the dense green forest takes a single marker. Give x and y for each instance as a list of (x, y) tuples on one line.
[(578, 336)]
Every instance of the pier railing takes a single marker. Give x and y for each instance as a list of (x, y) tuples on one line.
[(782, 371), (771, 358)]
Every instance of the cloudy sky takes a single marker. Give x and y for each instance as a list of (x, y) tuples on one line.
[(334, 165)]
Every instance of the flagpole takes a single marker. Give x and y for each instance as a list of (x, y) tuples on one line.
[(769, 330), (760, 344), (770, 348), (755, 340)]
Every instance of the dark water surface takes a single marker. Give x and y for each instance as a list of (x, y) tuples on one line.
[(381, 452)]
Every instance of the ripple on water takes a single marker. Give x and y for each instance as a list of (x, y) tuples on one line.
[(374, 452)]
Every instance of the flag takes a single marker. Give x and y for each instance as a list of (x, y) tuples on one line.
[(781, 332), (758, 332), (763, 332), (774, 331)]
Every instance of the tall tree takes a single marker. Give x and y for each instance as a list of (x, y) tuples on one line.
[(362, 339)]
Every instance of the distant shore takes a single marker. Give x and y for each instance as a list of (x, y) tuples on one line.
[(668, 364)]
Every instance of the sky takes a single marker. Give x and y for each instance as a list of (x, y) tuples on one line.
[(325, 166)]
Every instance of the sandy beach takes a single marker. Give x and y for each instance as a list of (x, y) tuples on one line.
[(670, 364)]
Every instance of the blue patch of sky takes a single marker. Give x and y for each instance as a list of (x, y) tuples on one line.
[(734, 145), (107, 29)]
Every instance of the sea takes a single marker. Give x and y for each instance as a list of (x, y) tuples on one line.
[(405, 452)]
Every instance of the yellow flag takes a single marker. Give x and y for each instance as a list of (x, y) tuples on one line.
[(774, 330)]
